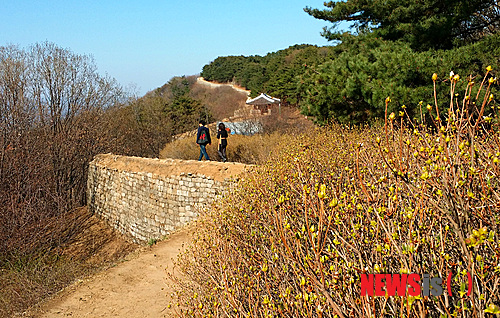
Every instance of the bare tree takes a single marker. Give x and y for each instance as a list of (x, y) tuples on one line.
[(52, 103), (70, 97)]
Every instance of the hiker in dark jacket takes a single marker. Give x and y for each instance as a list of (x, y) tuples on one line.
[(202, 139), (222, 136)]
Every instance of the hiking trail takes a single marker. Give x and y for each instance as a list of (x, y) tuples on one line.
[(136, 287), (202, 81)]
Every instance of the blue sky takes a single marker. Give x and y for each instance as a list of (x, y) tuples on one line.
[(145, 43)]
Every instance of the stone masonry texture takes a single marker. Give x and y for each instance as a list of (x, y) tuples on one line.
[(147, 199)]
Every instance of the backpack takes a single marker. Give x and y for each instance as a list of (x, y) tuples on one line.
[(203, 137)]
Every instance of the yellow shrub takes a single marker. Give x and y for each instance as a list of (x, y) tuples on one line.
[(295, 237)]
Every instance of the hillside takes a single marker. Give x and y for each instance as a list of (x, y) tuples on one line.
[(202, 81), (95, 247), (350, 81)]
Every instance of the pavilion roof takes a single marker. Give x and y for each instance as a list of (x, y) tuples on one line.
[(263, 99)]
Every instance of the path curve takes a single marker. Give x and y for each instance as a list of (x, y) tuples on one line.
[(200, 80), (137, 287)]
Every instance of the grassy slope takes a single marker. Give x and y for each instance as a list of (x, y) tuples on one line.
[(92, 246)]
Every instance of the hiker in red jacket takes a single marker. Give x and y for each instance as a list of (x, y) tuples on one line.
[(202, 139)]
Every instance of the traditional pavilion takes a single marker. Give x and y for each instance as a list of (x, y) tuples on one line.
[(264, 103)]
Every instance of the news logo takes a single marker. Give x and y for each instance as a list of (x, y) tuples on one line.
[(407, 285)]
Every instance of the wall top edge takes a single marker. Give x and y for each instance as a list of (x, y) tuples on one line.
[(167, 167)]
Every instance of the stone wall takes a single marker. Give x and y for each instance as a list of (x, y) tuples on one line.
[(146, 199)]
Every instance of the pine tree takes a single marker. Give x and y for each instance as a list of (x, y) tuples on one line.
[(425, 24)]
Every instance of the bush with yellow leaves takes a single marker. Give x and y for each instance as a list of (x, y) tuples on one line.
[(293, 239)]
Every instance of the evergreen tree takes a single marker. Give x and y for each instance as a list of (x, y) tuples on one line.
[(353, 86), (275, 74), (223, 69), (425, 24), (183, 111)]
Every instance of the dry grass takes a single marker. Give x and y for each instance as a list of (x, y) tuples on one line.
[(256, 149), (27, 280), (222, 101), (245, 149)]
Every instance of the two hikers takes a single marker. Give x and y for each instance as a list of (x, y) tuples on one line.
[(203, 138)]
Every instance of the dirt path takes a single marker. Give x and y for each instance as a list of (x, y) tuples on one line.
[(202, 81), (137, 287)]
